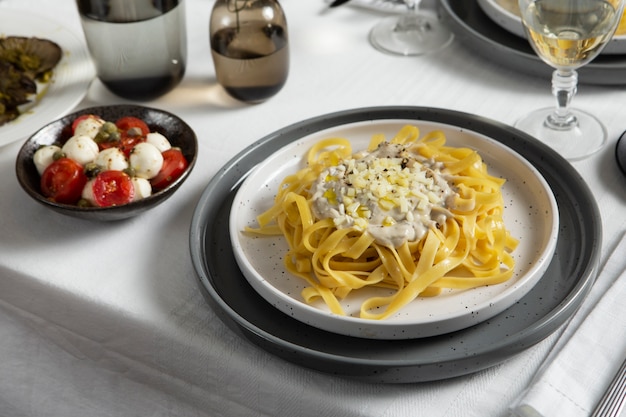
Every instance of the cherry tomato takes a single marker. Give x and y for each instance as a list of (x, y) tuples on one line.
[(128, 122), (80, 119), (174, 164), (113, 188), (106, 145), (63, 181), (127, 143)]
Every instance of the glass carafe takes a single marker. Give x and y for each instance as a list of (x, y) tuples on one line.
[(139, 46), (249, 46)]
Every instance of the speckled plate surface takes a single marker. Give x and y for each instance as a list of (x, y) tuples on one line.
[(531, 214), (547, 305)]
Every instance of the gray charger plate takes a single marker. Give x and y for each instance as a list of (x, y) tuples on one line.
[(546, 307), (473, 27)]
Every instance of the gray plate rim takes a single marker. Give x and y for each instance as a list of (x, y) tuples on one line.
[(570, 276)]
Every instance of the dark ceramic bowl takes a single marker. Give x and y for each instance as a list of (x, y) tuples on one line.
[(172, 127)]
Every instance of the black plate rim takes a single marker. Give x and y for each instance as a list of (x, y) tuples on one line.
[(244, 161)]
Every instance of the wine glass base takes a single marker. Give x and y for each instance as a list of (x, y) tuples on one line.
[(584, 139), (410, 35)]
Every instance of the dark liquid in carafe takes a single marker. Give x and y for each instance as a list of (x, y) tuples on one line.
[(144, 88), (251, 63)]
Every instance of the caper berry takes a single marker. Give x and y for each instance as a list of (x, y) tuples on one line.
[(108, 127), (83, 203), (108, 133), (134, 131), (92, 169), (130, 171), (114, 136), (101, 137), (58, 155)]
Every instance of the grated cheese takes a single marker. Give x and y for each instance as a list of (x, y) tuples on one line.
[(390, 193)]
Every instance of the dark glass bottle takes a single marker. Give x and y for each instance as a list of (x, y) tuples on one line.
[(250, 47)]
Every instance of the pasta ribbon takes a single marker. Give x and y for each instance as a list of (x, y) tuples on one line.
[(471, 248)]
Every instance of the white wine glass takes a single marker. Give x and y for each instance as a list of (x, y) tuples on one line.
[(567, 34), (411, 33)]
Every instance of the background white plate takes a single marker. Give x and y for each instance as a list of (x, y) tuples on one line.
[(531, 214), (70, 81), (506, 14)]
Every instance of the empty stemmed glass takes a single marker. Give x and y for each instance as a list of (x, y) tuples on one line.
[(412, 33), (567, 34)]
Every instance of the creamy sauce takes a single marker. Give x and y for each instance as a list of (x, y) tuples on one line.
[(393, 194)]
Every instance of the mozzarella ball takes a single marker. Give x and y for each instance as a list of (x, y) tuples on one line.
[(88, 192), (81, 149), (89, 126), (146, 160), (44, 156), (112, 159), (158, 140), (143, 188)]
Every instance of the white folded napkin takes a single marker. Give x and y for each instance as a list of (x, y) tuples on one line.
[(578, 370)]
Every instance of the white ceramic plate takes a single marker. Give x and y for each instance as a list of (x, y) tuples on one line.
[(531, 215), (506, 14), (70, 80)]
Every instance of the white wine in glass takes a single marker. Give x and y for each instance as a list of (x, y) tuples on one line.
[(567, 34)]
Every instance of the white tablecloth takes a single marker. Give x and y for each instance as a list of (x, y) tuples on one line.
[(107, 320)]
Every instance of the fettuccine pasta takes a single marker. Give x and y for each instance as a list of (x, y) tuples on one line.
[(410, 215)]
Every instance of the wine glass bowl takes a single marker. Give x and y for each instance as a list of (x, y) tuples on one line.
[(568, 34), (413, 33)]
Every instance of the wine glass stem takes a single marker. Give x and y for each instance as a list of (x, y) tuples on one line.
[(564, 82), (412, 20)]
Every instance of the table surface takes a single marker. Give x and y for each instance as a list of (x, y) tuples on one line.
[(107, 319)]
